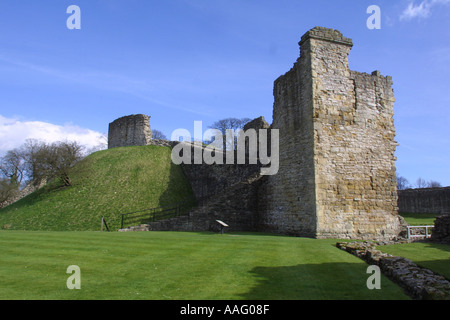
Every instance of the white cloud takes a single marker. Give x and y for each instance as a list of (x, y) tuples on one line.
[(413, 11), (422, 10), (13, 133)]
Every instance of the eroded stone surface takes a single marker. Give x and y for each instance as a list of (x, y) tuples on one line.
[(133, 130)]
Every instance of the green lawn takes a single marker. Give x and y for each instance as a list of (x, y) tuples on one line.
[(419, 219), (433, 256), (181, 265)]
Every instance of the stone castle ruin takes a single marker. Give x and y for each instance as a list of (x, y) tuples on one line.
[(337, 176), (131, 130)]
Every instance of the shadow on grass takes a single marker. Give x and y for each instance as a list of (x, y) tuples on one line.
[(326, 281), (439, 246), (178, 189), (441, 267)]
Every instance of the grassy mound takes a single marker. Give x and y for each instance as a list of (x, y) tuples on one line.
[(106, 183)]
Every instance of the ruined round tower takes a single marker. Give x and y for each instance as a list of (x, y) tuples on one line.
[(133, 130)]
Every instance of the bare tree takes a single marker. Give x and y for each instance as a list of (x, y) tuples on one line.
[(158, 135), (434, 184), (421, 183), (229, 123), (402, 183), (12, 170), (31, 152), (7, 190), (64, 157), (12, 167), (47, 161)]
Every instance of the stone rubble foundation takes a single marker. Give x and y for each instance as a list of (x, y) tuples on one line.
[(418, 282)]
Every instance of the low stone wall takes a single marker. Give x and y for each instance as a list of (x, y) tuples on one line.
[(163, 143), (418, 282), (441, 231), (425, 200)]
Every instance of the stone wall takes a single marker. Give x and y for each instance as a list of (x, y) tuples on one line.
[(426, 200), (287, 199), (207, 179), (133, 130), (441, 231), (337, 163)]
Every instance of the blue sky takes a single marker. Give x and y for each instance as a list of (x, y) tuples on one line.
[(185, 60)]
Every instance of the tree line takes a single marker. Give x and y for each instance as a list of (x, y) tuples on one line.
[(37, 161), (403, 183)]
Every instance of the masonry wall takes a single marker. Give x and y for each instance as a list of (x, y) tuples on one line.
[(287, 199), (337, 163), (207, 180), (133, 130), (425, 200), (354, 146), (441, 231)]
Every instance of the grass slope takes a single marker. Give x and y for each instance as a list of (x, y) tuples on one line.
[(106, 183), (182, 265)]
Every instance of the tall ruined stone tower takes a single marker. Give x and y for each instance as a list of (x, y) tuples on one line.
[(131, 130), (337, 165)]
